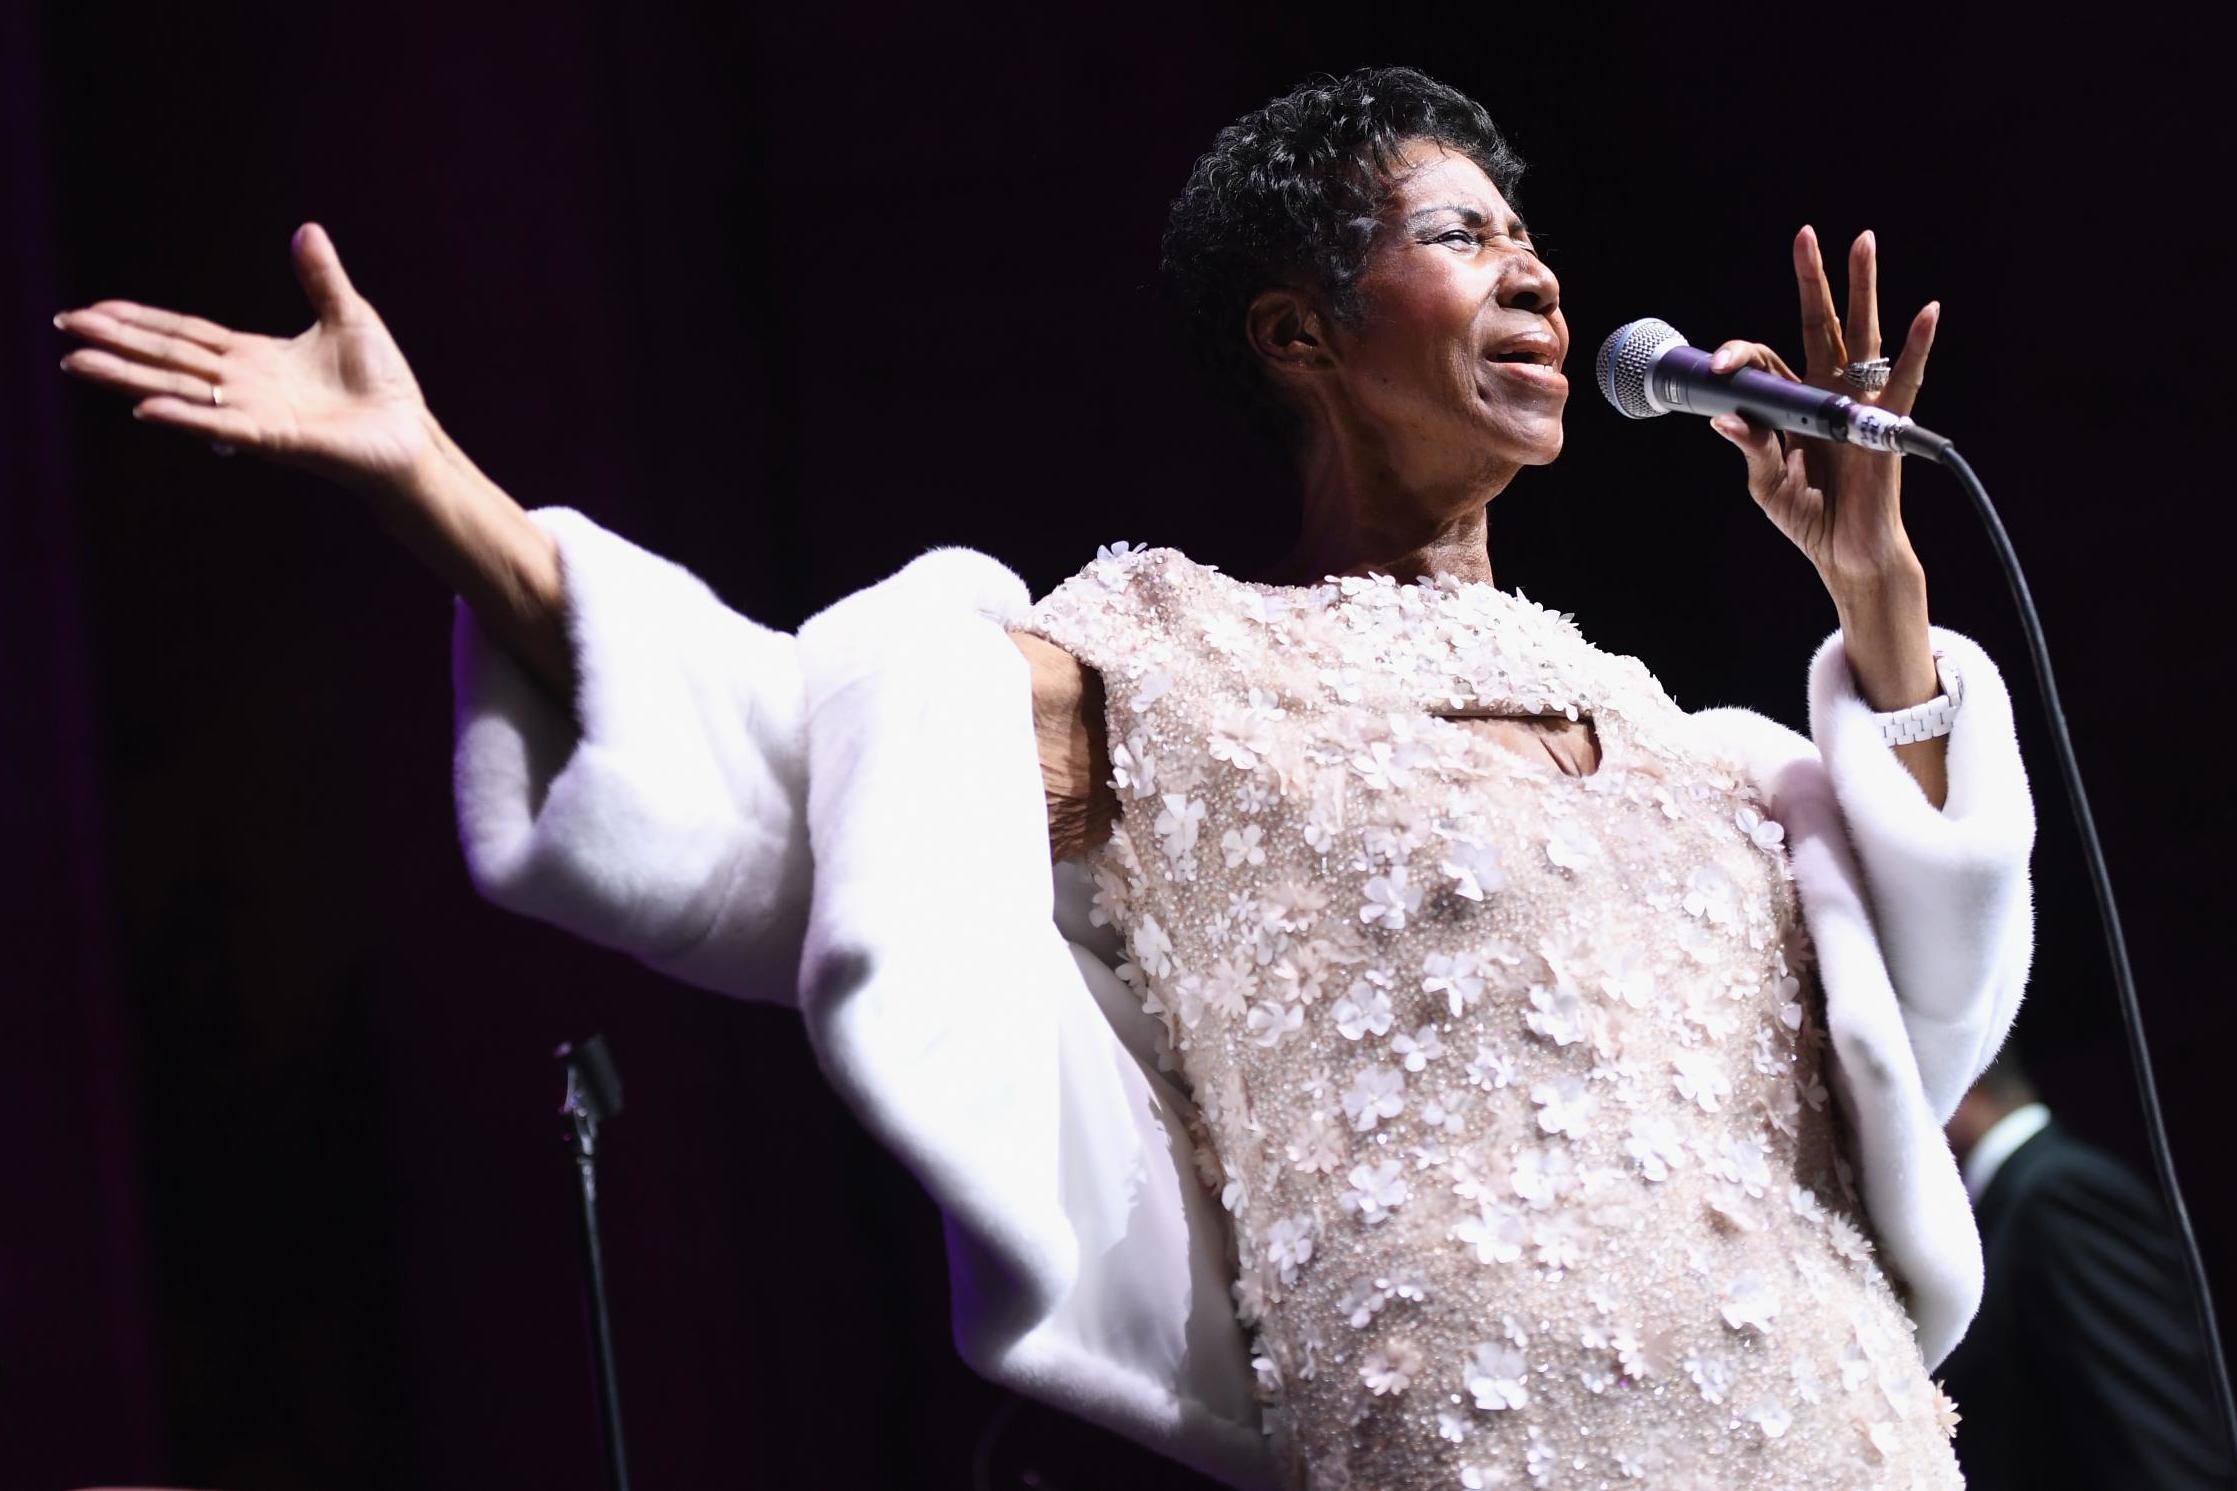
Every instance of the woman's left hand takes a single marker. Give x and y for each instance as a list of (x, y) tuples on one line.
[(1839, 503)]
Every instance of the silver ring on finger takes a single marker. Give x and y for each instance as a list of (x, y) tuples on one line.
[(217, 394), (219, 447), (1868, 375)]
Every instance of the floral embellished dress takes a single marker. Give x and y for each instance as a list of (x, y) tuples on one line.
[(1511, 1081)]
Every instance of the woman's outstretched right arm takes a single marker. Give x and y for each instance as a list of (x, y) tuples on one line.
[(340, 401), (628, 752)]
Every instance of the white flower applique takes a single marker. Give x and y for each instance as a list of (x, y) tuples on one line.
[(1225, 633), (1153, 685), (1390, 899), (1255, 796), (1645, 1352), (1289, 1245), (1564, 1106), (1770, 1416), (1749, 1303), (1712, 1010), (1712, 1372), (1557, 1011), (1490, 1068), (1152, 947), (1457, 976), (1363, 1008), (1496, 1378), (1655, 1145), (1569, 848), (1375, 1094), (1133, 768), (1542, 1174), (1392, 1368), (1111, 900), (1177, 825), (1627, 976), (1766, 834), (1229, 988), (1318, 1147), (1416, 1051), (1497, 1232), (1474, 867), (1699, 1076), (1447, 1112), (1559, 1237), (1240, 736), (1271, 1021), (1712, 895), (1376, 1190), (1243, 846), (1114, 564)]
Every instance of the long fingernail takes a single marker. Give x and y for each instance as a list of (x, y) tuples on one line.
[(58, 326)]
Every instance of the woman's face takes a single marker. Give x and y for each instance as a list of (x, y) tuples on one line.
[(1455, 358)]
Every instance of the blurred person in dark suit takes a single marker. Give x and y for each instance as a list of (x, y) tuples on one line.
[(2085, 1366)]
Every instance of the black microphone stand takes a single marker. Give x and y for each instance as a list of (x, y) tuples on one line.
[(593, 1097)]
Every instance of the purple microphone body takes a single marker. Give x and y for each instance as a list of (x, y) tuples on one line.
[(1646, 368)]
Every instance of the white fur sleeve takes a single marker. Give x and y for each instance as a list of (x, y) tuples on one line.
[(999, 1059), (1950, 890), (673, 825)]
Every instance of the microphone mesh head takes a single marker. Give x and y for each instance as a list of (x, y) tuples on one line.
[(1624, 359)]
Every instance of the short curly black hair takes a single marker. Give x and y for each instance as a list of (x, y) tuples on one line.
[(1293, 188)]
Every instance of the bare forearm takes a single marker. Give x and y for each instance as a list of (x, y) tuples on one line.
[(482, 543), (1884, 631)]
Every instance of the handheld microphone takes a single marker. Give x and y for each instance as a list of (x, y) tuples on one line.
[(1646, 368)]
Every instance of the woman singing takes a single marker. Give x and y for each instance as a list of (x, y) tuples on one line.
[(1559, 1073)]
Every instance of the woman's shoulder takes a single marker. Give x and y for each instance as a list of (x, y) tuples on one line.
[(1125, 598), (1120, 568)]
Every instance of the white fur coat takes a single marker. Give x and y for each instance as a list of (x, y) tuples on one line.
[(849, 821)]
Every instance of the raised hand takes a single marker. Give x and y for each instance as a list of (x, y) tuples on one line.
[(1840, 504), (337, 400)]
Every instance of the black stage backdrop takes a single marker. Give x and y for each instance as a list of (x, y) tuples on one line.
[(791, 295)]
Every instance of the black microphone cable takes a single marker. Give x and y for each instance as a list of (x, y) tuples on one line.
[(2124, 980)]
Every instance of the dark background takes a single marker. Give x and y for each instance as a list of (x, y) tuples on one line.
[(791, 297)]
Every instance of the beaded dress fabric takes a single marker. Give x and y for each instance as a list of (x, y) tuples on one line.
[(1511, 1082)]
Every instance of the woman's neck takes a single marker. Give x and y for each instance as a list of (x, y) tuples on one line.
[(1363, 516)]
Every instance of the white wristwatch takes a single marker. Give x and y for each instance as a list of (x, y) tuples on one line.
[(1935, 716)]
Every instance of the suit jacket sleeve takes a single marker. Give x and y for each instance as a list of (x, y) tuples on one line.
[(671, 823), (1949, 889), (2110, 1331)]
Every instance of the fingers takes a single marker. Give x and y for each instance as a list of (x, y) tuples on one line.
[(211, 421), (1760, 445), (129, 376), (134, 339), (1909, 372), (1822, 347), (319, 268), (1778, 480), (1740, 354), (195, 329), (1864, 298)]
